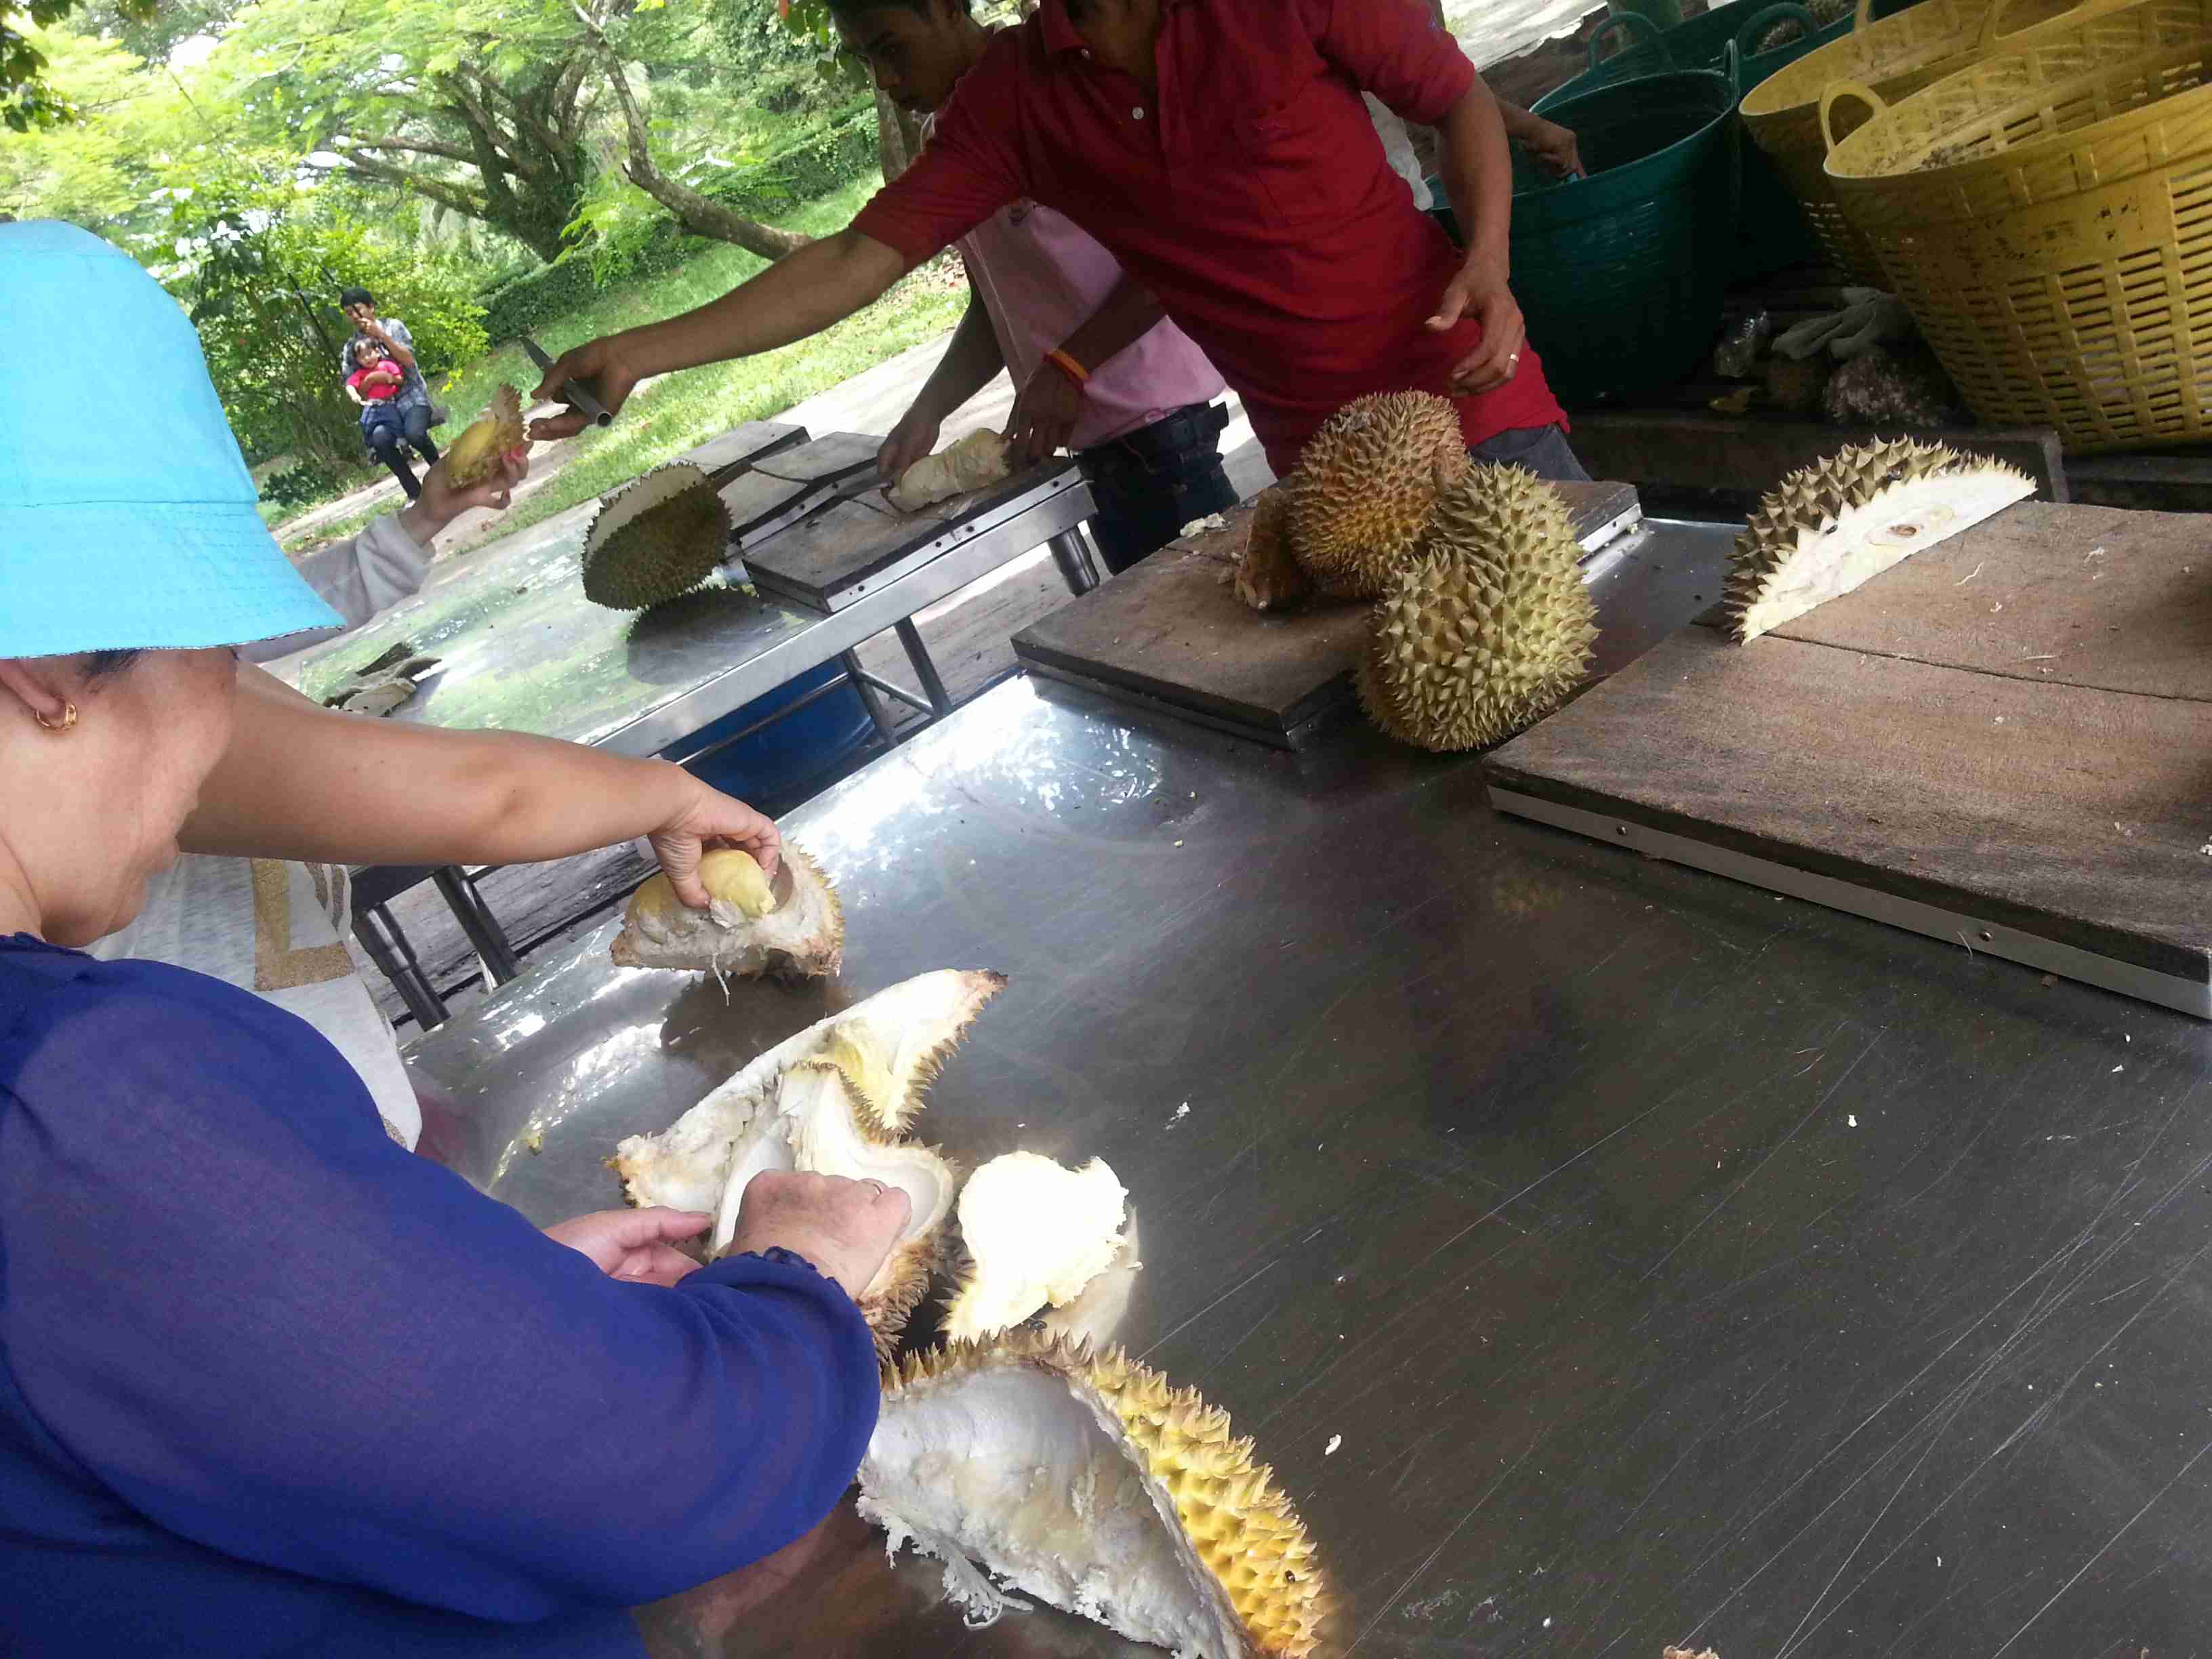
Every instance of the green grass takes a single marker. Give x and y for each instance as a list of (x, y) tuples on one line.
[(684, 410)]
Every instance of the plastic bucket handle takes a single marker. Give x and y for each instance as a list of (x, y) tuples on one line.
[(1841, 89), (1779, 12), (1621, 19)]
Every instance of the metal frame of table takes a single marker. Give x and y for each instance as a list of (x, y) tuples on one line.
[(1661, 1261)]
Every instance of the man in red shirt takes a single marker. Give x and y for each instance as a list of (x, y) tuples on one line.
[(1221, 150)]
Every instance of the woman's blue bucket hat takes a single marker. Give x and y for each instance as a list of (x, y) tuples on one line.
[(126, 511)]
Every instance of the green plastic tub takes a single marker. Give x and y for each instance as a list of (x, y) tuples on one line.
[(1621, 274)]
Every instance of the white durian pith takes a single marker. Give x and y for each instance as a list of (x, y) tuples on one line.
[(1833, 526), (802, 936), (906, 1030), (1087, 1481), (1365, 485), (657, 539), (811, 1119), (1490, 627), (1035, 1233)]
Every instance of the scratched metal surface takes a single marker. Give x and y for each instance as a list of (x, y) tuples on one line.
[(1677, 1263)]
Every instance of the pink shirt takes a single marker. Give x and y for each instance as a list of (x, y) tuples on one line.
[(1042, 279)]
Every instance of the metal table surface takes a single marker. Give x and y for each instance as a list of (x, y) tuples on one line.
[(1677, 1263), (520, 649)]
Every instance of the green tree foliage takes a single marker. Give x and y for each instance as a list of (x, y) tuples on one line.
[(27, 98)]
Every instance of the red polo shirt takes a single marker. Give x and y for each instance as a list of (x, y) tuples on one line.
[(1254, 201)]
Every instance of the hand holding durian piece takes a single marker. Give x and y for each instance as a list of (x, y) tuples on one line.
[(471, 457), (1088, 1481), (792, 928), (981, 459), (1836, 525)]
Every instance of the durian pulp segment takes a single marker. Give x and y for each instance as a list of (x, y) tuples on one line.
[(734, 879), (1031, 1476), (811, 1125), (1035, 1233), (471, 457), (687, 1165), (802, 936), (1831, 527)]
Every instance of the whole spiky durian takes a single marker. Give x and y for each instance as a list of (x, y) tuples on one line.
[(1365, 486), (1829, 527), (1088, 1482), (1490, 627), (658, 537)]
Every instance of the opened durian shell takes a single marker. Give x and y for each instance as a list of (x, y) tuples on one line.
[(794, 929), (656, 540), (892, 1044), (1036, 1234), (1832, 526), (815, 1119), (471, 457), (1490, 627), (1269, 576), (1087, 1481), (1365, 484)]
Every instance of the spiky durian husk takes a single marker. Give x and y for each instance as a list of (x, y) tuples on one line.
[(1829, 527), (657, 538), (1366, 483), (471, 457), (1491, 626), (1240, 1527), (1268, 575), (802, 937)]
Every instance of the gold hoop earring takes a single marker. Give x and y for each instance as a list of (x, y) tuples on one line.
[(67, 720)]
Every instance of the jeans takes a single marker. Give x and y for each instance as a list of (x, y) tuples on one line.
[(1153, 482), (385, 428), (1542, 449)]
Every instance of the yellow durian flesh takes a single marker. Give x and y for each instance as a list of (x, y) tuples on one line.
[(471, 457), (1831, 527), (1036, 1234), (1365, 486), (1087, 1481), (1491, 626), (744, 930)]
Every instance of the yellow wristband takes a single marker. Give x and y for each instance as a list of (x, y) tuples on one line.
[(1069, 366)]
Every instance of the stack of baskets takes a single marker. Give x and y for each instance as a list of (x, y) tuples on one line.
[(2046, 216)]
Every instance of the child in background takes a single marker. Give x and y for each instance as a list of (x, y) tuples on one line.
[(375, 381)]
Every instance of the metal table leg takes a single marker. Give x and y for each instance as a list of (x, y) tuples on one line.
[(478, 923), (917, 653), (407, 977), (869, 696), (1071, 551)]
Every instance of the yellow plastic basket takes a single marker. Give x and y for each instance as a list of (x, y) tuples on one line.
[(1895, 57), (2046, 216)]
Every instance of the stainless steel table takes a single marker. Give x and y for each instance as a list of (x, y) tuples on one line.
[(1676, 1262)]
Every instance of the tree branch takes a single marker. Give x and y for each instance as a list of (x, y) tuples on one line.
[(435, 190), (423, 147)]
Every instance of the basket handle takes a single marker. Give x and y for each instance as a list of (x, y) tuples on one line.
[(1837, 91), (1631, 20), (1863, 19), (1782, 11), (2081, 12), (1732, 67)]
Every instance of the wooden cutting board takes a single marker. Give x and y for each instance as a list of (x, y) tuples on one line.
[(1169, 633), (2005, 741)]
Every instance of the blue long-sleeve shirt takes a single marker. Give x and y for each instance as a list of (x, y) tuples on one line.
[(270, 1385)]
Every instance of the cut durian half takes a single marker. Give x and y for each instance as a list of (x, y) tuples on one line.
[(1834, 526), (1365, 484), (656, 540), (792, 928), (1269, 576), (471, 457), (814, 1119), (890, 1046), (1087, 1481), (982, 457), (1035, 1233)]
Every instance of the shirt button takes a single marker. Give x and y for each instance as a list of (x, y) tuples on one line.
[(1138, 113)]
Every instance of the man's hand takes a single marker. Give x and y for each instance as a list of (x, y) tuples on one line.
[(635, 1244), (712, 817), (1045, 415), (914, 438), (598, 367), (1481, 290), (1552, 144), (845, 1228)]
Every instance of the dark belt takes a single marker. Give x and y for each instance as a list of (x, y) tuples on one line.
[(1192, 426)]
